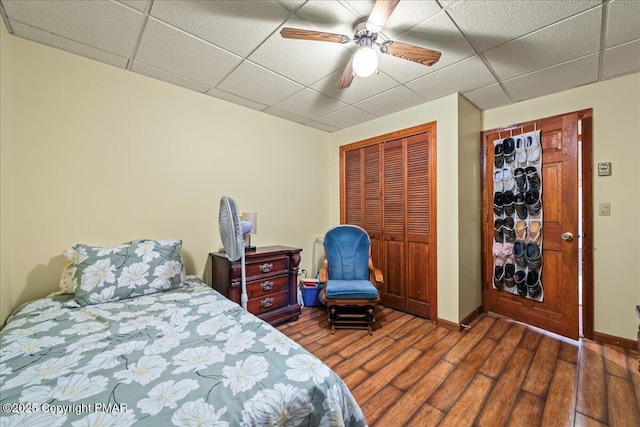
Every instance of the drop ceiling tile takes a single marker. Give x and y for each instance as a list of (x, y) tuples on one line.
[(303, 61), (554, 79), (396, 99), (405, 16), (622, 59), (309, 103), (39, 36), (461, 77), (139, 67), (488, 97), (321, 126), (237, 26), (491, 23), (361, 87), (623, 23), (108, 26), (438, 33), (136, 4), (541, 49), (449, 3), (177, 52), (217, 93), (286, 115), (346, 117), (254, 82), (329, 16), (291, 4)]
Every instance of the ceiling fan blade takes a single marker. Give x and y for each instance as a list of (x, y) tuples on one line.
[(347, 76), (410, 52), (380, 13), (297, 33)]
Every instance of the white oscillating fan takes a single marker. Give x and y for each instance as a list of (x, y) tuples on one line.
[(232, 231)]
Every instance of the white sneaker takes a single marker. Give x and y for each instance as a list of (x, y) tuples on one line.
[(508, 178), (521, 153), (532, 144)]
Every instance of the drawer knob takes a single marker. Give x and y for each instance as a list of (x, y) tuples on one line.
[(267, 302), (266, 267), (268, 285)]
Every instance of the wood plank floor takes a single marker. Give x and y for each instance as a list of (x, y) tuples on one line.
[(499, 373)]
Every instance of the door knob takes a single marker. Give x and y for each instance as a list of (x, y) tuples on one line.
[(567, 236)]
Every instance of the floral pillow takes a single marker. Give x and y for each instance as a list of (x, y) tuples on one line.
[(140, 267)]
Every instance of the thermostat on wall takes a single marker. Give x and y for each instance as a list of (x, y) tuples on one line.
[(604, 169)]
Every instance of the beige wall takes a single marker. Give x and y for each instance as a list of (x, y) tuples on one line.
[(445, 112), (616, 139), (469, 224), (6, 210), (102, 156), (96, 154)]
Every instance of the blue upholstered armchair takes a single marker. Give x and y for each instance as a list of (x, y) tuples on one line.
[(350, 279)]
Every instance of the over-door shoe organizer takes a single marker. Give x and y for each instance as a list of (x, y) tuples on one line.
[(517, 219)]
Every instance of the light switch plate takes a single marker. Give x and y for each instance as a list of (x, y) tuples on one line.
[(604, 209), (604, 169)]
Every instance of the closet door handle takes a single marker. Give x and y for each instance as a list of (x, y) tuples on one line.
[(567, 236)]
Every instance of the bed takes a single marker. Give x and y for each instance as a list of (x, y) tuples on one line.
[(185, 356)]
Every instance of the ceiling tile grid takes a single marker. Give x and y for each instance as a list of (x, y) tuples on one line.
[(494, 52)]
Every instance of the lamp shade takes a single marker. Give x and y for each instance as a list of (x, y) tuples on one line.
[(365, 61), (252, 217)]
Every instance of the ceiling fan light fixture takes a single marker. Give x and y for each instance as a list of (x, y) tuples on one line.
[(365, 61)]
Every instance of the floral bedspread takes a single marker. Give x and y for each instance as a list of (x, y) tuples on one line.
[(186, 357)]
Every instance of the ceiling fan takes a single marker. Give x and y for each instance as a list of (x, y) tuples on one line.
[(365, 61)]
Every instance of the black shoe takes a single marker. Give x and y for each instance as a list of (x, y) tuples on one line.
[(498, 277), (509, 271), (520, 206), (521, 179), (507, 200), (533, 256), (498, 155), (498, 203), (520, 279), (509, 149), (533, 202), (533, 178), (534, 288), (508, 231), (497, 230), (519, 248)]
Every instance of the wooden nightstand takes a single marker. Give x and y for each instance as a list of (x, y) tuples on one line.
[(272, 289)]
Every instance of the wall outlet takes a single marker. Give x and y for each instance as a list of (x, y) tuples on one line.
[(604, 209)]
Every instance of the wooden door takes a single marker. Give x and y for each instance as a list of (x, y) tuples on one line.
[(393, 292), (558, 312), (419, 266), (387, 186), (371, 207)]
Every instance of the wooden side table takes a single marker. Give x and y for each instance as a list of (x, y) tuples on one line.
[(272, 288)]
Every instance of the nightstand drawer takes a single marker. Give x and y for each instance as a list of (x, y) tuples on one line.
[(267, 286), (271, 267), (271, 274), (268, 303)]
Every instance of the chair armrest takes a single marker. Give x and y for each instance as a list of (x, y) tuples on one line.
[(322, 274), (375, 273)]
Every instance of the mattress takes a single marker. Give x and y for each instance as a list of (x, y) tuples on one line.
[(184, 357)]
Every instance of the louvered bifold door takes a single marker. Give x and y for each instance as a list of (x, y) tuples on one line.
[(353, 187), (393, 293), (372, 209), (418, 210), (387, 186)]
